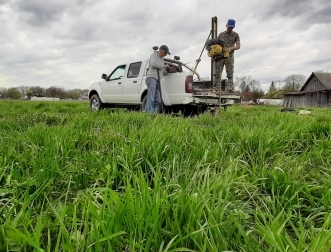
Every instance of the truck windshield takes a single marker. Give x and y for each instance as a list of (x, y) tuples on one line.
[(118, 73)]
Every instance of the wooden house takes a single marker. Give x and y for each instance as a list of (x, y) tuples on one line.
[(316, 92)]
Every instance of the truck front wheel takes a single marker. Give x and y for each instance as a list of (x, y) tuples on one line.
[(95, 103)]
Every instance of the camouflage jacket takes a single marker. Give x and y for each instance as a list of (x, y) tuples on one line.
[(229, 38)]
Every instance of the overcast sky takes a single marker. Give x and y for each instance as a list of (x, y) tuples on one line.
[(70, 43)]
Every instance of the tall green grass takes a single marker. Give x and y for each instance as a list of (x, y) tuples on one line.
[(251, 179)]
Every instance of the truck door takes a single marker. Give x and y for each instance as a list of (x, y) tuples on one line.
[(131, 84), (111, 89)]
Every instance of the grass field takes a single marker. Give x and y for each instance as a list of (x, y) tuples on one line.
[(251, 179)]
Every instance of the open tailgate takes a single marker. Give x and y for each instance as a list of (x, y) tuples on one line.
[(203, 89)]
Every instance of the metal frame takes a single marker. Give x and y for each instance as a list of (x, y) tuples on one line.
[(213, 62)]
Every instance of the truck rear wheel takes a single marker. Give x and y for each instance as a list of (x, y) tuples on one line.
[(189, 111), (143, 103)]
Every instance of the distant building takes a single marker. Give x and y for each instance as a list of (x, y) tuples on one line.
[(34, 98), (84, 96), (247, 96), (316, 92), (276, 102)]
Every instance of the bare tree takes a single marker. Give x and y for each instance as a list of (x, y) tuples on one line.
[(257, 92), (294, 82), (243, 83), (255, 85), (23, 90), (247, 84), (279, 84)]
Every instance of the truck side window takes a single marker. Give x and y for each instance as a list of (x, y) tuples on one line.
[(134, 70), (117, 73)]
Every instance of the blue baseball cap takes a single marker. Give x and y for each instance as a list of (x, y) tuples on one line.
[(231, 23)]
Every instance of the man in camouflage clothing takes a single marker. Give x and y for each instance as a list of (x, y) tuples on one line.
[(232, 42)]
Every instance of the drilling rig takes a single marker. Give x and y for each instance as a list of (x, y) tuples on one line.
[(215, 88)]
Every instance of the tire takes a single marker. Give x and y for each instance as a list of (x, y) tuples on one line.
[(95, 103), (158, 110), (143, 103), (190, 111)]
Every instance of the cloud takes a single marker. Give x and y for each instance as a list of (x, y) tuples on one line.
[(321, 15), (287, 8), (300, 14), (70, 43), (40, 13)]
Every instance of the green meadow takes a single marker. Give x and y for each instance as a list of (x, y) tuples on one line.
[(250, 179)]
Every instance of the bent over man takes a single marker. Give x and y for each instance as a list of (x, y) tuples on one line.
[(232, 43), (154, 75)]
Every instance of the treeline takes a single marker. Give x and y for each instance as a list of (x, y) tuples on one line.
[(292, 82), (247, 84), (25, 92)]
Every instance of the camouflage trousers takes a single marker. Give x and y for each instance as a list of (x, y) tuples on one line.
[(229, 66)]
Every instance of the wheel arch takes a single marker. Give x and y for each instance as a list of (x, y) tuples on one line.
[(94, 92)]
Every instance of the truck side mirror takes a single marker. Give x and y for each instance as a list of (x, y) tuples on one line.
[(177, 58), (104, 76)]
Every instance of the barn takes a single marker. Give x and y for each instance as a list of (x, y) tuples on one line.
[(316, 92)]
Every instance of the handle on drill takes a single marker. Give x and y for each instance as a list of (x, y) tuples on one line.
[(198, 60)]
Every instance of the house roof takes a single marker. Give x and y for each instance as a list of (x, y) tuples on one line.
[(298, 92), (324, 78), (295, 93)]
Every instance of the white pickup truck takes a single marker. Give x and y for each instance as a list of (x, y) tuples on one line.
[(125, 87)]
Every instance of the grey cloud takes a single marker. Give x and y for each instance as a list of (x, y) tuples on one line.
[(287, 8), (321, 16), (84, 32), (39, 13), (306, 11), (319, 62), (70, 43), (192, 26), (136, 19)]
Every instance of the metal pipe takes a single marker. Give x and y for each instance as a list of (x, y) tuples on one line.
[(181, 63), (213, 36), (198, 60)]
